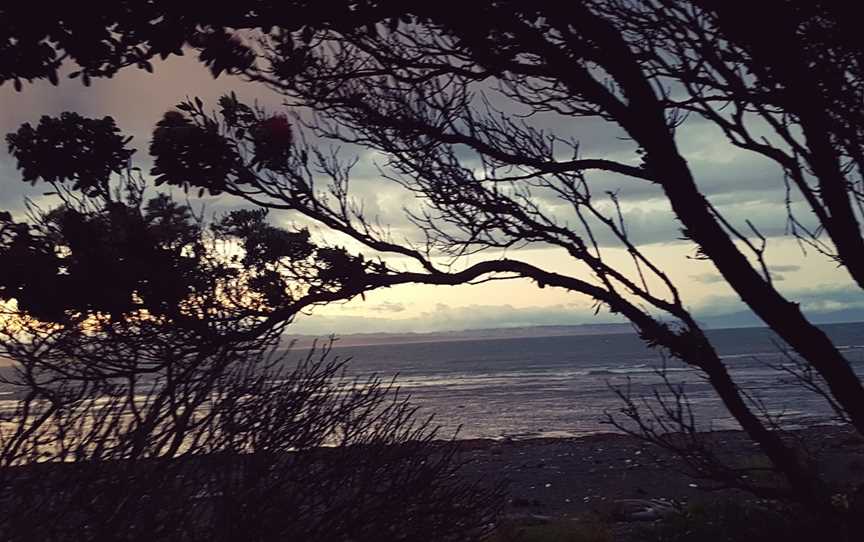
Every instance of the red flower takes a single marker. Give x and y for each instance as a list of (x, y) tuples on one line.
[(273, 140), (277, 130)]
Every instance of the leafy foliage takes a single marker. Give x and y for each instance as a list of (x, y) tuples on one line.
[(71, 148), (115, 252), (114, 259), (222, 51), (187, 154)]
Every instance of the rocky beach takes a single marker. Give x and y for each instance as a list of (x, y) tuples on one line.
[(551, 478)]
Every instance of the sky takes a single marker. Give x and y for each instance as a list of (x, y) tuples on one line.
[(741, 185)]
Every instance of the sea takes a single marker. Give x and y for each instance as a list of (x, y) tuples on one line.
[(565, 386), (518, 388)]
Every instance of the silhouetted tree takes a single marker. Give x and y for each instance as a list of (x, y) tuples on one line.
[(151, 405), (212, 449), (413, 82)]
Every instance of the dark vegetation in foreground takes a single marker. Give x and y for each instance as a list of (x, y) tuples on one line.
[(589, 489), (363, 492), (232, 451)]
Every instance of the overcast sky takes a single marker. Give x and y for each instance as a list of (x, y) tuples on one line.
[(742, 186)]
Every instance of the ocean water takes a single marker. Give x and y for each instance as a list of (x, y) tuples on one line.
[(562, 386)]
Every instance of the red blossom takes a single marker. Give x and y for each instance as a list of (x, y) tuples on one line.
[(277, 129), (273, 138)]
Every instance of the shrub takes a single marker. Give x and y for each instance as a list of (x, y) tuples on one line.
[(234, 449)]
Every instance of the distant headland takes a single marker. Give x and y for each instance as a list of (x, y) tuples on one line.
[(522, 332)]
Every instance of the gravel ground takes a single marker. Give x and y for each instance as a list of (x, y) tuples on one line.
[(574, 476)]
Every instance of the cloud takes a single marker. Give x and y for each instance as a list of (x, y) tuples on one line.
[(822, 305), (13, 191), (716, 278), (783, 268), (388, 306), (834, 299), (445, 318), (741, 184), (708, 278), (819, 304), (652, 222)]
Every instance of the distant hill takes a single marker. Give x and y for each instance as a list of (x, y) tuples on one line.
[(364, 339)]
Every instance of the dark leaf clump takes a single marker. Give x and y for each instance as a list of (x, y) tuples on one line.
[(71, 148), (187, 154)]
